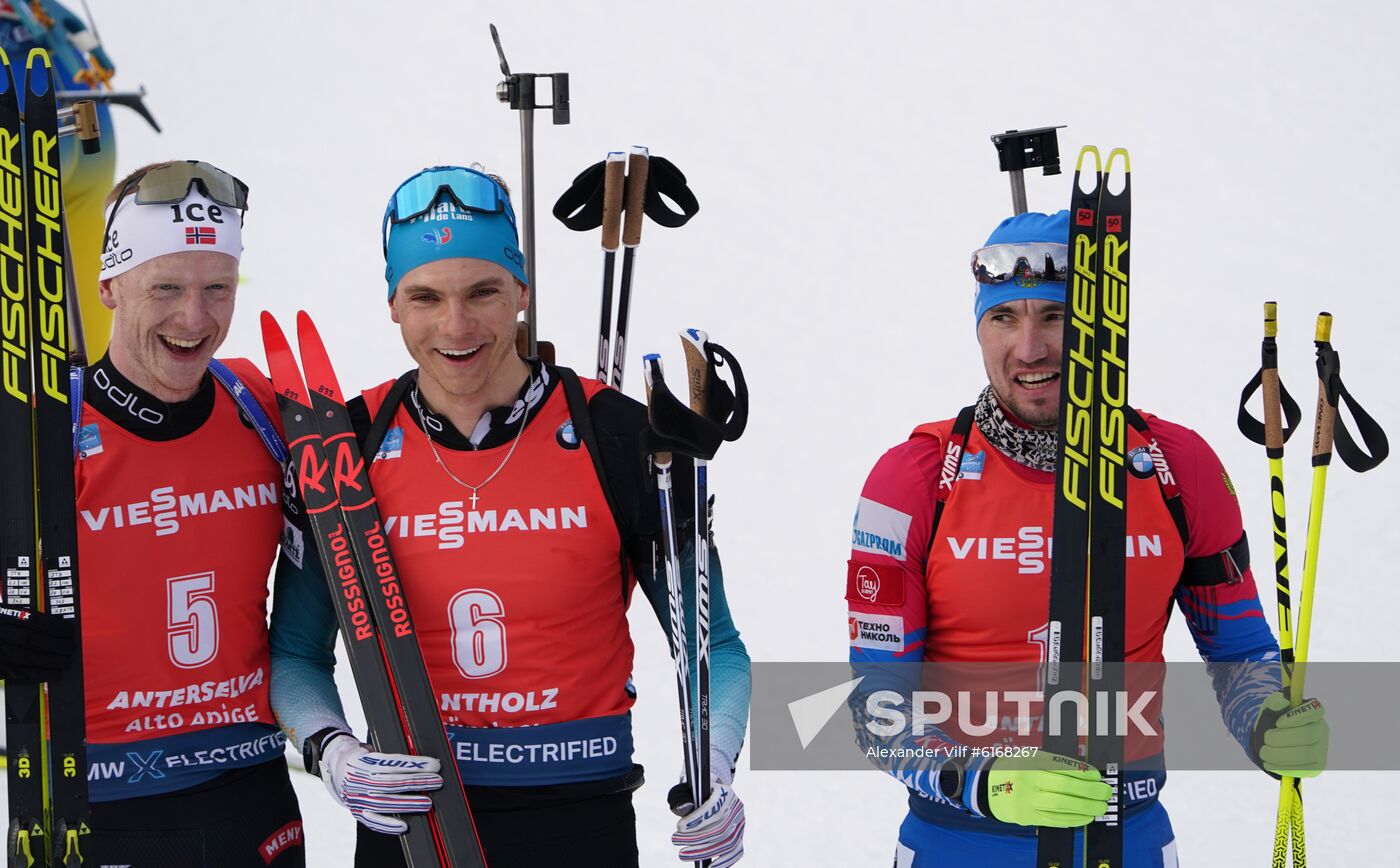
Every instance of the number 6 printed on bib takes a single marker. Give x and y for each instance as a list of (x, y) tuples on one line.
[(478, 633), (192, 620)]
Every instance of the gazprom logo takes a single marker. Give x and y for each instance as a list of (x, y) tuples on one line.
[(880, 529)]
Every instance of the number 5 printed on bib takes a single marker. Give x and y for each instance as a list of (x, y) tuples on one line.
[(192, 620)]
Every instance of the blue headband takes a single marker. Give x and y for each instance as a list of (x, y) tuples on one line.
[(447, 230), (1024, 229)]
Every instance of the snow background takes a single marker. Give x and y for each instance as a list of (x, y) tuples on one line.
[(840, 154)]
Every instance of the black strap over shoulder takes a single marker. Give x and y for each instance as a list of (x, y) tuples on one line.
[(385, 417), (952, 451), (588, 436)]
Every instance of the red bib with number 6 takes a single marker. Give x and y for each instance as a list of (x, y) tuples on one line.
[(517, 601)]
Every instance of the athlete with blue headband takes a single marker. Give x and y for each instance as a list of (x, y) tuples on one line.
[(522, 521), (950, 564)]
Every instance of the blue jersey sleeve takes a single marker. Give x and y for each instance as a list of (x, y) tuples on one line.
[(302, 635), (729, 659)]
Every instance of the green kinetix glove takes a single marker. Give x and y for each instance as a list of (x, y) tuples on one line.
[(1048, 789), (1291, 742)]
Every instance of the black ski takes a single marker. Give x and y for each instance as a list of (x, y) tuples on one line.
[(382, 643), (1103, 847), (26, 843), (1069, 568), (47, 729)]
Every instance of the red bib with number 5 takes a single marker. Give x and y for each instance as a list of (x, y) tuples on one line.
[(175, 541)]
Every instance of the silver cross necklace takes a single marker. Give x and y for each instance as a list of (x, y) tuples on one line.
[(418, 403)]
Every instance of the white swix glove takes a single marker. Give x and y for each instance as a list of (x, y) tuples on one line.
[(373, 785), (715, 830)]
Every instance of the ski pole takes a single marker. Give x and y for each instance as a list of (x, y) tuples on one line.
[(1273, 433), (698, 369), (1289, 817), (670, 554), (1327, 429), (612, 224), (638, 165)]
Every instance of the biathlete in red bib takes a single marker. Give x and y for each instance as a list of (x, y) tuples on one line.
[(970, 583), (180, 512), (516, 500)]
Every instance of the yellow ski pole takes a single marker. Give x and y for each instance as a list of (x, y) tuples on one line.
[(1290, 797), (1272, 434)]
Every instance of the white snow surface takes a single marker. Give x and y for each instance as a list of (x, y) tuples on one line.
[(840, 153)]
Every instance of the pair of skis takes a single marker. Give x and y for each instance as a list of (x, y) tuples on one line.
[(1273, 433), (375, 624), (46, 732), (623, 200), (1087, 574)]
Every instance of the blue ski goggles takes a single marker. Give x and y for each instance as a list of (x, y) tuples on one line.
[(468, 189), (1041, 261), (448, 212)]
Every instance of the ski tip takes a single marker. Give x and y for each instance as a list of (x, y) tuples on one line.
[(1084, 152), (42, 55), (308, 333), (1120, 153), (270, 329)]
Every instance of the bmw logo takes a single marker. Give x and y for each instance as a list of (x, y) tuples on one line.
[(1140, 462), (565, 436)]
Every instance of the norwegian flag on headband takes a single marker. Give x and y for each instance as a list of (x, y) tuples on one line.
[(200, 235)]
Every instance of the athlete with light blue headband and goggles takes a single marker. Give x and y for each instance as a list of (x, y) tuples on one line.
[(523, 522)]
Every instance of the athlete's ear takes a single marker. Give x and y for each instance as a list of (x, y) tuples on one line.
[(104, 293), (524, 302), (393, 311)]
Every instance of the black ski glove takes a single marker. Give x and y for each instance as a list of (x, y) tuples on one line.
[(34, 646)]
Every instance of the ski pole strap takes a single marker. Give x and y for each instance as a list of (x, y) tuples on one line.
[(582, 420), (1371, 433), (251, 409), (677, 428), (1252, 427), (379, 426), (581, 206)]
